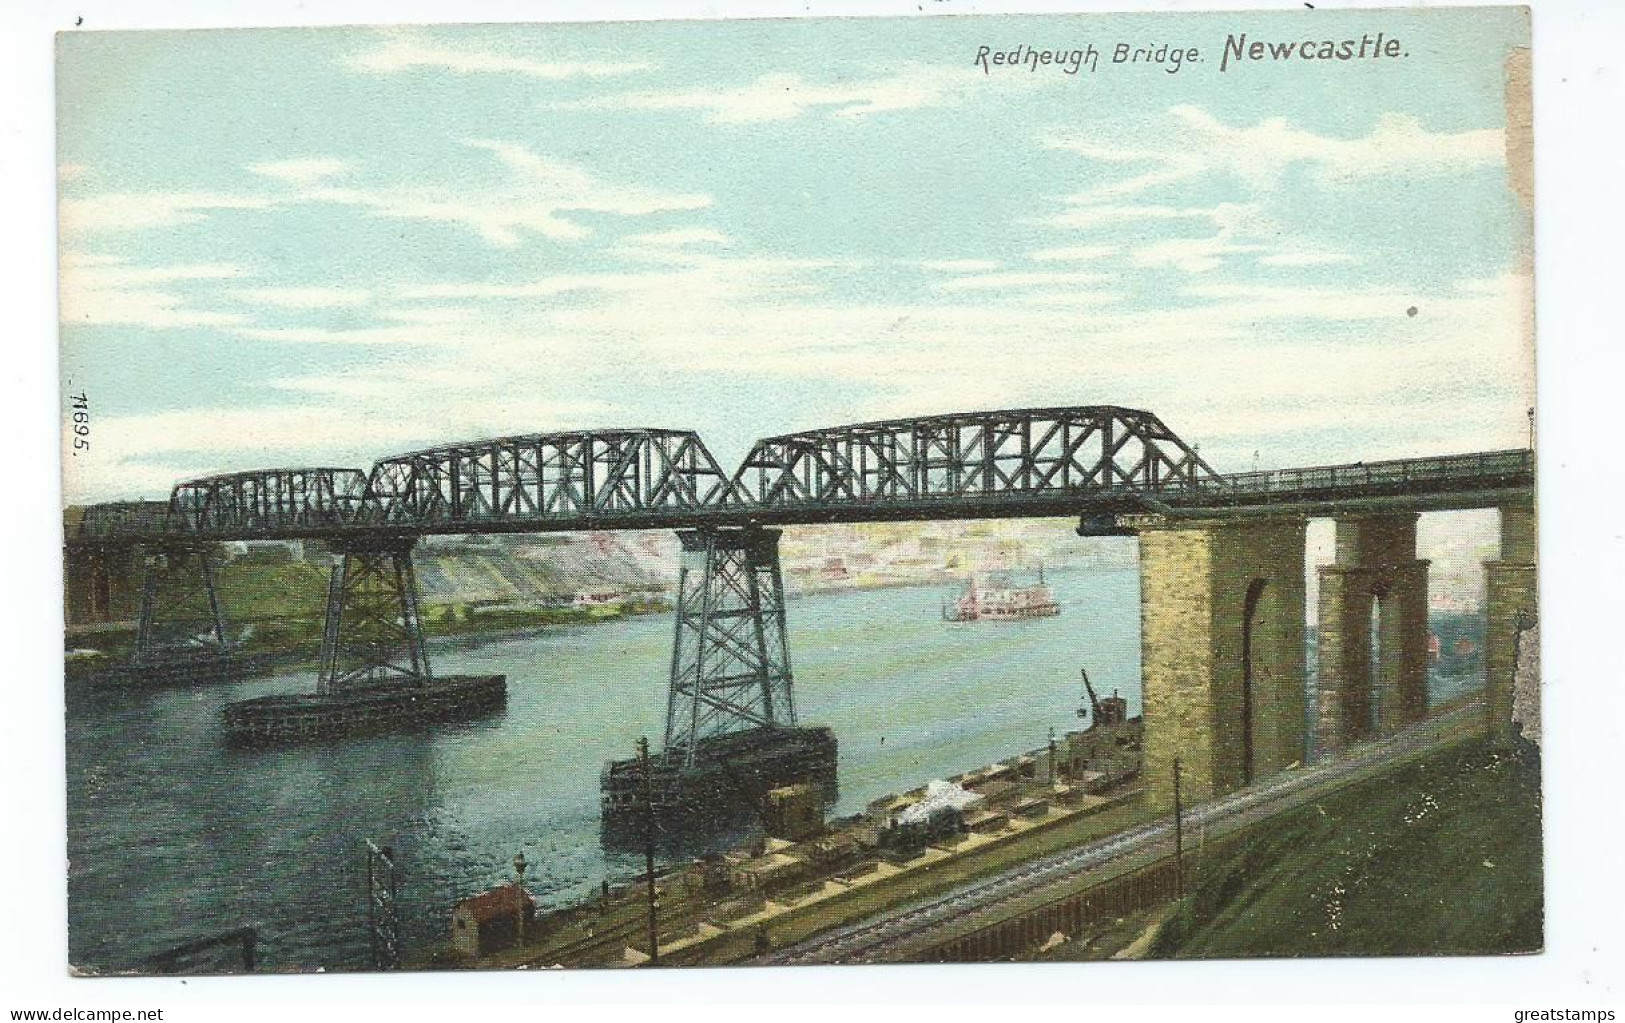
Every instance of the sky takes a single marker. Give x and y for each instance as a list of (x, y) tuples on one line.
[(326, 246)]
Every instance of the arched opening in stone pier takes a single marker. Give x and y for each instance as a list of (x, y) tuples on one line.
[(1249, 623), (1376, 661), (1396, 618)]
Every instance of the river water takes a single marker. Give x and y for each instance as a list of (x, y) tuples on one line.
[(172, 836)]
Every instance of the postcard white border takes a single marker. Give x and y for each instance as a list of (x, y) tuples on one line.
[(1579, 106)]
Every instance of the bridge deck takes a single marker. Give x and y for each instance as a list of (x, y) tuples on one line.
[(1449, 482)]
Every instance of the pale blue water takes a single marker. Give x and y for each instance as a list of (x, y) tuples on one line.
[(172, 836)]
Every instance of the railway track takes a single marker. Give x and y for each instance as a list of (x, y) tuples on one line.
[(875, 939)]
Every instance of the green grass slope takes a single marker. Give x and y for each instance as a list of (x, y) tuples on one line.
[(1442, 857)]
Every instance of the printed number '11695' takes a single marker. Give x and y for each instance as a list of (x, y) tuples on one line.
[(81, 422)]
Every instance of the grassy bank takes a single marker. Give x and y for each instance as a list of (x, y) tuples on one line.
[(275, 610), (1439, 857)]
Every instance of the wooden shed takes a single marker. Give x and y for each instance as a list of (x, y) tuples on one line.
[(490, 921)]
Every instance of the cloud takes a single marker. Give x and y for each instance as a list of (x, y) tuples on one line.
[(1192, 255), (1396, 145), (546, 287), (304, 298), (1235, 222), (1073, 252), (1012, 281), (1086, 217), (534, 200), (785, 97), (300, 172), (959, 265), (1238, 229), (1170, 166), (679, 237), (98, 289), (405, 52), (1307, 257), (138, 211), (1195, 144)]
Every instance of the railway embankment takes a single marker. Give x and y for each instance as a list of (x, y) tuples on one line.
[(1439, 857)]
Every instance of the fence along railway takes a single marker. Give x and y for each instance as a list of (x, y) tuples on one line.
[(1236, 541)]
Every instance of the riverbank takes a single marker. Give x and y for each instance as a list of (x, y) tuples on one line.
[(284, 644), (773, 892)]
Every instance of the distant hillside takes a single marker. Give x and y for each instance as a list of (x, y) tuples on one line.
[(540, 569), (524, 569)]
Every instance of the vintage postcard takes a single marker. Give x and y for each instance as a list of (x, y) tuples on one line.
[(811, 491)]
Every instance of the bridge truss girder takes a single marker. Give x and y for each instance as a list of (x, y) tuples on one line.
[(268, 501), (541, 478), (113, 520), (373, 632), (730, 665), (988, 455)]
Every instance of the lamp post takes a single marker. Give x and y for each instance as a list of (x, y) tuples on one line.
[(519, 866), (1052, 778), (649, 849)]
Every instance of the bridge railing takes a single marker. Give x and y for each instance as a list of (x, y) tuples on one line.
[(1489, 467)]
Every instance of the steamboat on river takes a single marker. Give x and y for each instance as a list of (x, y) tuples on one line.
[(1002, 601)]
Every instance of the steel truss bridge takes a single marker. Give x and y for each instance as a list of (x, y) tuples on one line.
[(1105, 465)]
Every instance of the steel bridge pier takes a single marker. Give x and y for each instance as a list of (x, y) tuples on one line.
[(373, 632), (730, 659), (181, 625)]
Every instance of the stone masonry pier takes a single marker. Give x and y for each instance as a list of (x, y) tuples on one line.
[(1222, 636), (1373, 634)]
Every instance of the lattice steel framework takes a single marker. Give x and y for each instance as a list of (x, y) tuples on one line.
[(373, 633), (383, 907), (730, 662), (541, 479), (180, 606), (245, 504), (114, 520), (970, 456)]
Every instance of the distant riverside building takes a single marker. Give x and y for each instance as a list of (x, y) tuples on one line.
[(599, 598)]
